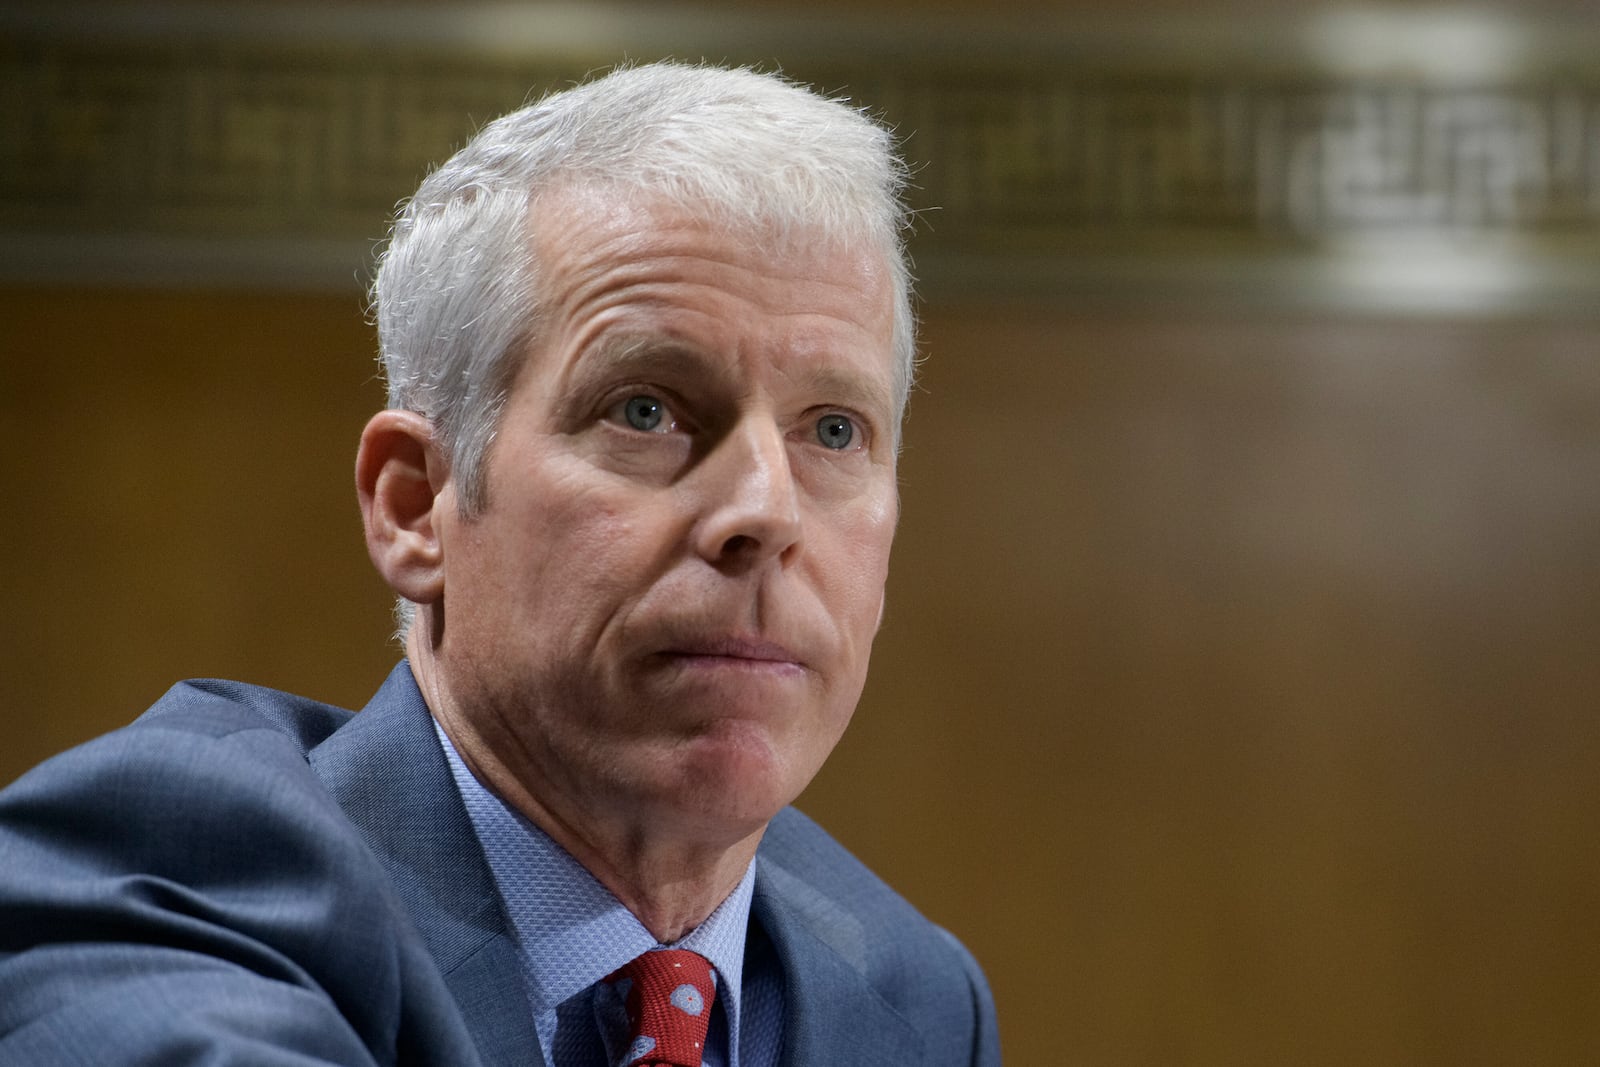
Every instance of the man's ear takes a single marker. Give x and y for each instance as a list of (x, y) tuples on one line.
[(401, 481)]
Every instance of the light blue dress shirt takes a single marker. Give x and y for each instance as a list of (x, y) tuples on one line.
[(571, 932)]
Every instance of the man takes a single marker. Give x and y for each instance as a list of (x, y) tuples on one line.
[(648, 343)]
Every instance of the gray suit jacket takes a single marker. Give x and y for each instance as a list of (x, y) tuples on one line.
[(247, 877)]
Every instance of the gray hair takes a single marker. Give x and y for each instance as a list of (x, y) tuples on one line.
[(455, 296)]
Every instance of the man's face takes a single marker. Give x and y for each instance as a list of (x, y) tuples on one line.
[(666, 608)]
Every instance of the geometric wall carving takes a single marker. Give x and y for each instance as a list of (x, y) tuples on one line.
[(236, 142), (1280, 159)]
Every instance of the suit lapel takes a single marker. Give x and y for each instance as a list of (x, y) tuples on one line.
[(832, 1014), (386, 770)]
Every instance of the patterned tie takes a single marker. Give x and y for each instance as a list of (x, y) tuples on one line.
[(668, 993)]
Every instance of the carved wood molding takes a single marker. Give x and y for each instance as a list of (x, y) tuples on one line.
[(1290, 162)]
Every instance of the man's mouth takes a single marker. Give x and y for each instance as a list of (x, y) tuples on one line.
[(733, 651)]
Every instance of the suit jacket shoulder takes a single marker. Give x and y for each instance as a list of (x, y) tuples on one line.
[(872, 980), (245, 876), (185, 890)]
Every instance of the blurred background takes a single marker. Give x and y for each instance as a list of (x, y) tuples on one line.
[(1236, 701)]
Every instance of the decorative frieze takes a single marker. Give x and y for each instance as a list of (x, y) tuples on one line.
[(222, 142)]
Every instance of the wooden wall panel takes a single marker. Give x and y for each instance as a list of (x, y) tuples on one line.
[(183, 504), (1235, 698)]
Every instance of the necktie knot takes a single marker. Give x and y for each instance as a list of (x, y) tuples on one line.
[(668, 993)]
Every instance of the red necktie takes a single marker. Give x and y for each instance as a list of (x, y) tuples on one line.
[(668, 993)]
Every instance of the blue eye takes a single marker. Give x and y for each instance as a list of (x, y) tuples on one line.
[(643, 413), (835, 431)]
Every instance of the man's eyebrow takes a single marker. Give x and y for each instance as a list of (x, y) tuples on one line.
[(865, 387), (864, 393), (630, 354), (627, 356), (646, 356)]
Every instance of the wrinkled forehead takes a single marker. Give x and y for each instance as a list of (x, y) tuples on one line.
[(576, 232)]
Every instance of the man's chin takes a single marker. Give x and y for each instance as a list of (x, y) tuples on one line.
[(733, 778)]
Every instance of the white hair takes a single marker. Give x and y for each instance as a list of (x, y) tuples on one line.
[(456, 299)]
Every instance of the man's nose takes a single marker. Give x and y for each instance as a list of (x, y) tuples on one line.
[(751, 509)]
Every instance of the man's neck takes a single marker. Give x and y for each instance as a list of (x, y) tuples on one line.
[(671, 885), (669, 878)]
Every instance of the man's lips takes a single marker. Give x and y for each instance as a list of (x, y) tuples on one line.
[(733, 652)]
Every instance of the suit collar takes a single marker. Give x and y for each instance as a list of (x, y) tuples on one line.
[(386, 770), (416, 825), (832, 1012)]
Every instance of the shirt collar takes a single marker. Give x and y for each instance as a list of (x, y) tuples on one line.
[(570, 929)]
